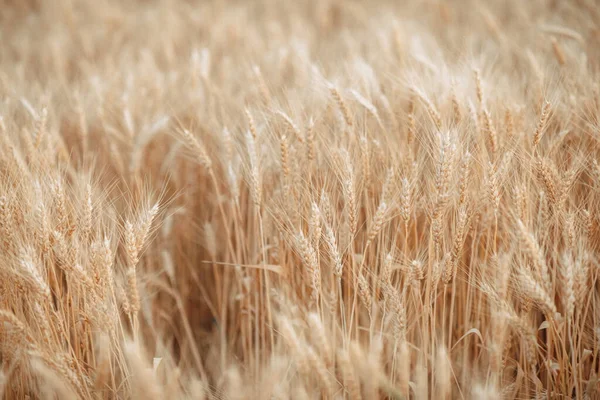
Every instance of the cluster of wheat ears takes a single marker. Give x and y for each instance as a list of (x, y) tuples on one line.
[(308, 199)]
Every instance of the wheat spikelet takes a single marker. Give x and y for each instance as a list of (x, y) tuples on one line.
[(442, 180), (478, 85), (285, 166), (310, 140), (581, 282), (368, 366), (144, 383), (364, 156), (509, 124), (474, 118), (351, 383), (102, 262), (558, 51), (293, 342), (135, 238), (197, 148), (411, 129), (494, 188), (255, 177), (465, 168), (86, 220), (570, 230), (491, 131), (144, 226), (377, 222), (400, 323), (549, 178), (321, 370), (251, 124), (32, 275), (349, 196), (526, 334), (457, 115), (566, 274), (404, 368), (227, 143), (291, 125), (309, 258), (520, 200), (565, 185), (364, 291), (541, 126), (19, 330), (319, 336), (326, 208), (370, 107), (60, 206), (386, 272), (536, 292), (40, 131), (443, 170), (333, 252), (6, 222), (342, 106), (315, 225), (433, 112), (459, 236), (534, 251), (264, 90), (405, 200)]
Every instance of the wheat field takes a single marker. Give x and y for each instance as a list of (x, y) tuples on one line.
[(335, 199)]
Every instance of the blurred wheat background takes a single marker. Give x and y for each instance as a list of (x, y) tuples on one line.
[(306, 199)]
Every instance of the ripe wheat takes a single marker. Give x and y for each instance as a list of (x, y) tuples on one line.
[(306, 199)]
